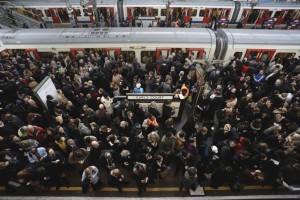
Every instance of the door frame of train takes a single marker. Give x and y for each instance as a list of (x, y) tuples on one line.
[(159, 51), (260, 53), (201, 50), (55, 16), (35, 56), (115, 50)]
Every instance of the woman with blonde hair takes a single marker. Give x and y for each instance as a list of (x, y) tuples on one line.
[(153, 141), (61, 97)]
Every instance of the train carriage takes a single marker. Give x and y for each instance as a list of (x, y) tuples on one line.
[(193, 11), (61, 11), (261, 45), (130, 42), (275, 12)]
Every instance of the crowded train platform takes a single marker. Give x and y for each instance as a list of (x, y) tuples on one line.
[(242, 131)]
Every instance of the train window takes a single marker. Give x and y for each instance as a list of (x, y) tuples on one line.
[(128, 56), (148, 55), (155, 12), (163, 12), (285, 55), (201, 13), (252, 55), (238, 55), (194, 14), (78, 12)]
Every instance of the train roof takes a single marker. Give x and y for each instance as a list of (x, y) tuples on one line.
[(97, 37), (183, 3), (56, 3), (262, 39)]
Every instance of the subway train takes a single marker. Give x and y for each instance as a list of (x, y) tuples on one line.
[(189, 11), (202, 45)]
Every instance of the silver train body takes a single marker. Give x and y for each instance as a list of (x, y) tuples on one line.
[(200, 44), (194, 11)]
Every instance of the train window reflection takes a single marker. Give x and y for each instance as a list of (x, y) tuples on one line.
[(155, 12), (163, 12), (148, 55)]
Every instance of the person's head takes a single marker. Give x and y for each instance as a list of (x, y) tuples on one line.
[(159, 158), (192, 171), (51, 152), (116, 172), (204, 130), (94, 144)]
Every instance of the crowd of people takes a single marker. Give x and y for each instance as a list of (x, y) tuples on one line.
[(245, 129)]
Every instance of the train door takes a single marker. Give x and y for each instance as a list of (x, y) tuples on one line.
[(196, 53), (162, 52), (207, 15), (187, 15), (54, 14), (33, 53), (75, 52), (113, 52), (262, 16), (260, 54)]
